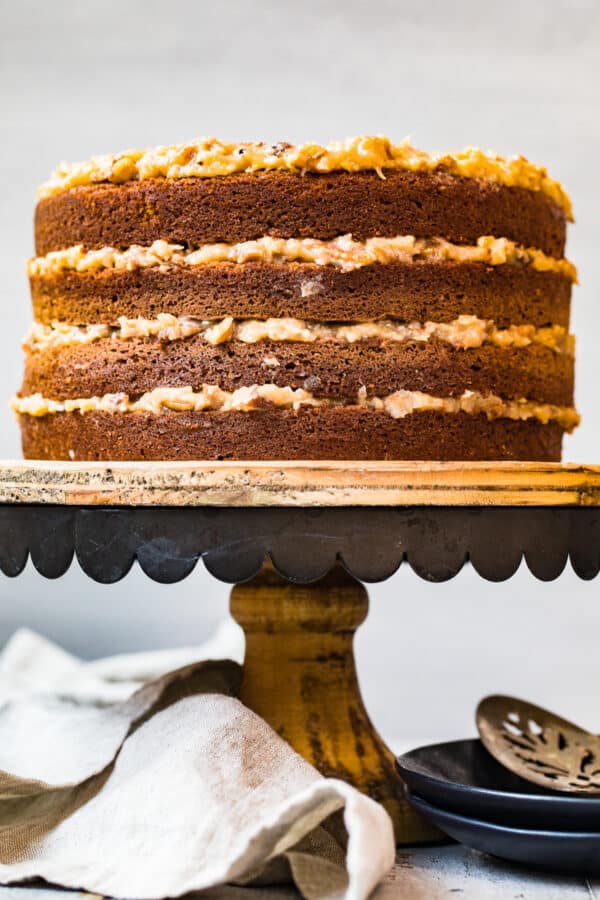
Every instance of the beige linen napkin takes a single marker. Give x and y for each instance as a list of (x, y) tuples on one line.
[(172, 788)]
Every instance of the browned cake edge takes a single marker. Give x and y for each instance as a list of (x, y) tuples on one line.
[(331, 433), (241, 207), (328, 369), (417, 291)]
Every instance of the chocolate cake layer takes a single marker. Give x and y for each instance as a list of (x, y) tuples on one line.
[(328, 369), (417, 291), (333, 433), (455, 345), (232, 208)]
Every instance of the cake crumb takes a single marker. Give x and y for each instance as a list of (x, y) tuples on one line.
[(310, 288), (271, 361)]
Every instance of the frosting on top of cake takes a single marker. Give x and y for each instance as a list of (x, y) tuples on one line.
[(209, 157)]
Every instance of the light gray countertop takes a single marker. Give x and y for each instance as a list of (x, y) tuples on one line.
[(419, 874)]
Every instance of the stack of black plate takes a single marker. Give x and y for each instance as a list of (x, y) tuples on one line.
[(462, 789)]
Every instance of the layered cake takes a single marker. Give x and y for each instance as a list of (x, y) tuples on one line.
[(363, 300)]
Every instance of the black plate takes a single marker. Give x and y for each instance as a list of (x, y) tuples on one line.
[(567, 852), (462, 777)]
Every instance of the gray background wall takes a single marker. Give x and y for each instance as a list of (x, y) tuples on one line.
[(78, 78)]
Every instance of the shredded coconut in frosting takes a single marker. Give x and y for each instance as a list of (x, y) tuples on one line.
[(464, 332), (257, 396), (343, 253), (209, 158)]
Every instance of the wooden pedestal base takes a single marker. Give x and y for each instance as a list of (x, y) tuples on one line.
[(300, 676)]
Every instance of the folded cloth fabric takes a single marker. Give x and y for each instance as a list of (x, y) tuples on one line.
[(173, 786), (31, 664)]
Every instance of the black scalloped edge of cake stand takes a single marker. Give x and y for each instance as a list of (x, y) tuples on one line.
[(303, 543)]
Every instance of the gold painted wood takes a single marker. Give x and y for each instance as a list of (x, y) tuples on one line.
[(243, 484), (299, 675), (539, 746)]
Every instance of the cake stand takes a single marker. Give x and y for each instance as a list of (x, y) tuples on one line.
[(297, 540)]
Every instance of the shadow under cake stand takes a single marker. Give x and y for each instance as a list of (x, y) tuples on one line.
[(297, 539)]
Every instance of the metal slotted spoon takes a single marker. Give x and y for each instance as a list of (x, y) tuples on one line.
[(540, 746)]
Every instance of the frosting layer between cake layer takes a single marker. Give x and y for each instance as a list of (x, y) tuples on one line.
[(464, 332), (344, 253), (254, 397)]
